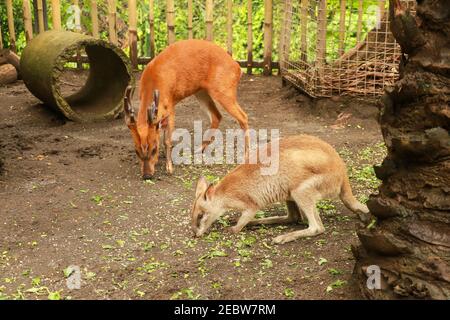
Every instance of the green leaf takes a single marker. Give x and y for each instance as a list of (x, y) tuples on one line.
[(54, 295), (322, 261)]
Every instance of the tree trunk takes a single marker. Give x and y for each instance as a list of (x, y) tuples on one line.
[(411, 240)]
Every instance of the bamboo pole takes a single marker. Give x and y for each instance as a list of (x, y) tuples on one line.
[(249, 36), (112, 21), (268, 34), (209, 19), (304, 30), (132, 32), (94, 17), (360, 13), (12, 31), (170, 21), (151, 14), (40, 10), (27, 20), (321, 36), (190, 15), (230, 27), (1, 39), (343, 6), (285, 34), (56, 14), (76, 4), (382, 5)]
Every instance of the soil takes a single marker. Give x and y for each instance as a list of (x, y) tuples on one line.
[(72, 194)]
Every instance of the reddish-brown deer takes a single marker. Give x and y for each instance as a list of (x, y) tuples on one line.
[(185, 68)]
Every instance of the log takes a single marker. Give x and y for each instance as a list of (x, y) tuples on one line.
[(101, 97), (8, 74), (8, 56)]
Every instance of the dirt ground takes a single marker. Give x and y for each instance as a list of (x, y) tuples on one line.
[(71, 194)]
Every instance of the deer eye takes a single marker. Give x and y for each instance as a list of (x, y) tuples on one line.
[(154, 151), (199, 218)]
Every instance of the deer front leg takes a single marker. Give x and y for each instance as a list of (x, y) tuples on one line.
[(168, 143), (245, 218)]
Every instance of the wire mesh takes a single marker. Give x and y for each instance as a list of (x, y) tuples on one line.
[(339, 47)]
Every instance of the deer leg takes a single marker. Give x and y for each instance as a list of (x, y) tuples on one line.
[(306, 200), (229, 102), (168, 143), (213, 113), (293, 216), (244, 219)]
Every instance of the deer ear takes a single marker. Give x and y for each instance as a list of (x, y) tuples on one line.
[(202, 186), (209, 192), (128, 107), (153, 112)]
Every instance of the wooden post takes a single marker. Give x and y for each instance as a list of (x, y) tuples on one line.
[(76, 4), (12, 31), (304, 30), (285, 35), (321, 36), (268, 31), (170, 22), (27, 20), (132, 32), (382, 9), (151, 13), (209, 19), (40, 10), (44, 13), (1, 38), (94, 17), (112, 21), (343, 5), (56, 15), (190, 15), (360, 14), (230, 27), (249, 37)]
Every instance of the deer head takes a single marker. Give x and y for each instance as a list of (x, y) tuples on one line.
[(144, 130)]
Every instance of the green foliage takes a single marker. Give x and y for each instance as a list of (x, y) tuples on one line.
[(220, 35)]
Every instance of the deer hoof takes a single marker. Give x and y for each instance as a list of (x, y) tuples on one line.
[(169, 168)]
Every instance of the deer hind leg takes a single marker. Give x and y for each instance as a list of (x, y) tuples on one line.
[(306, 200), (214, 115), (229, 102), (293, 216)]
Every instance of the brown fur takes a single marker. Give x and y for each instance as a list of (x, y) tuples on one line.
[(184, 68), (309, 170)]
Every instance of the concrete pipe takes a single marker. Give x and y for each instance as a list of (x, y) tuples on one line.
[(101, 97)]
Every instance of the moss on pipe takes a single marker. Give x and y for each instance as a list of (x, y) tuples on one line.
[(101, 98)]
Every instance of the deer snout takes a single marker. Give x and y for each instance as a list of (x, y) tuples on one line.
[(147, 176)]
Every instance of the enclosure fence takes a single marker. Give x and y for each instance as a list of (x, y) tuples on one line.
[(36, 17), (341, 47), (324, 48)]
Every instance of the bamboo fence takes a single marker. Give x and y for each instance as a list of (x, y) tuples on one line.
[(364, 68), (40, 13), (304, 60)]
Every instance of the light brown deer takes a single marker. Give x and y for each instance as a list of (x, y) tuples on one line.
[(183, 69), (309, 170)]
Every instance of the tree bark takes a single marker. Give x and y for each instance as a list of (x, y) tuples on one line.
[(411, 240)]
